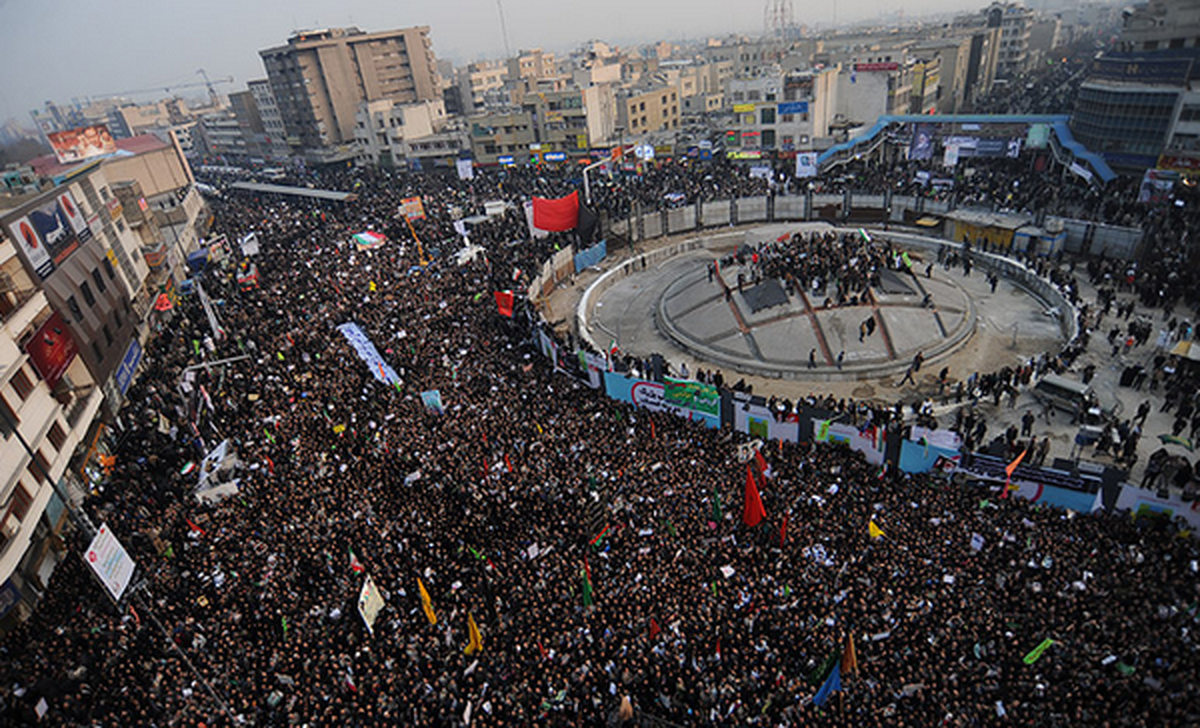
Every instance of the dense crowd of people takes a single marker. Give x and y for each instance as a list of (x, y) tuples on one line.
[(668, 607)]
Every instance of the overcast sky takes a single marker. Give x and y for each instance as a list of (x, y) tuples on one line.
[(59, 49)]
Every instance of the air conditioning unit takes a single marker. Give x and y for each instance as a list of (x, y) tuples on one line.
[(10, 527)]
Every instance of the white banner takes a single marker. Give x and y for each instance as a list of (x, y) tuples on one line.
[(534, 232), (466, 168), (250, 245), (111, 562), (950, 157)]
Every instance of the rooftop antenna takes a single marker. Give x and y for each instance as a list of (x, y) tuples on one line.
[(503, 28)]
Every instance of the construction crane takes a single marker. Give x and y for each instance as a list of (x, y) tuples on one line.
[(207, 83), (213, 99)]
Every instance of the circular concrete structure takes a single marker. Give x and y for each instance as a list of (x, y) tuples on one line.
[(663, 301)]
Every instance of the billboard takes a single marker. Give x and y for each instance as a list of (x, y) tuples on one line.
[(110, 561), (52, 349), (793, 107), (869, 67), (1172, 72), (47, 234), (86, 142)]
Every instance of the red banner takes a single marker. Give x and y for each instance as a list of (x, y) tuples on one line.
[(504, 303), (556, 215)]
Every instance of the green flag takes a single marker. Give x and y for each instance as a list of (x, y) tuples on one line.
[(819, 675), (283, 620), (1032, 657), (1126, 670), (717, 514), (587, 589)]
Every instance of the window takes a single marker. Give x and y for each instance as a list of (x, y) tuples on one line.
[(75, 310), (20, 502), (8, 418), (100, 284), (56, 436), (96, 351), (21, 383), (88, 296), (39, 468), (768, 116)]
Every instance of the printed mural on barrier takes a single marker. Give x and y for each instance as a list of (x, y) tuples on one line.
[(871, 440), (651, 395)]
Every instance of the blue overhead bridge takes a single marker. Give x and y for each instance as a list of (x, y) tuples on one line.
[(1057, 123)]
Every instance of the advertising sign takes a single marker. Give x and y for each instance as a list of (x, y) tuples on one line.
[(1141, 70), (743, 108), (52, 349), (74, 216), (77, 145), (793, 107), (868, 67), (1179, 163), (48, 234), (110, 561), (129, 365)]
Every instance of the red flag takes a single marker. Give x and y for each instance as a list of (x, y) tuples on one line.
[(556, 215), (541, 649), (653, 434), (1009, 470), (654, 628), (504, 302), (783, 531), (753, 512), (762, 463), (507, 463), (194, 527)]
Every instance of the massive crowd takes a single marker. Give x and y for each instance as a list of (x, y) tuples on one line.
[(673, 609)]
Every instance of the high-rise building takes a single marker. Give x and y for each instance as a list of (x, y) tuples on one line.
[(319, 79), (1138, 102), (274, 144), (1015, 22)]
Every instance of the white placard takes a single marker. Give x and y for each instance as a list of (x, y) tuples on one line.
[(370, 602), (111, 562)]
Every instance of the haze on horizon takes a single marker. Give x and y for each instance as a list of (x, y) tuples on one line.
[(71, 49)]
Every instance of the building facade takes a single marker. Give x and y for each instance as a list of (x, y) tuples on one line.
[(320, 77), (1141, 102)]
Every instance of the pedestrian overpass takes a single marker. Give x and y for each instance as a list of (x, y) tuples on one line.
[(1065, 147)]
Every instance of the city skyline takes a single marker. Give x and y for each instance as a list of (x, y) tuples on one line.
[(80, 59)]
